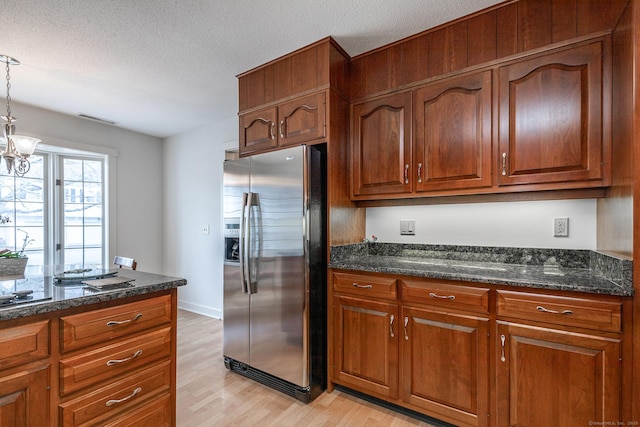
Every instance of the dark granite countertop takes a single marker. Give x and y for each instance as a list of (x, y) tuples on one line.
[(555, 269), (62, 295)]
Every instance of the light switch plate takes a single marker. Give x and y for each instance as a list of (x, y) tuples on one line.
[(407, 227)]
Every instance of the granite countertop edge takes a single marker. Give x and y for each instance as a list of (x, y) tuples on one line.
[(565, 270), (158, 283)]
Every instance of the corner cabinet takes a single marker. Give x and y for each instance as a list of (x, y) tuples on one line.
[(291, 123), (552, 122)]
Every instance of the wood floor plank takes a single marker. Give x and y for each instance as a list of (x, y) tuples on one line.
[(210, 395)]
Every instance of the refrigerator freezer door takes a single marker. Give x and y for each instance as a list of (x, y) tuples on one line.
[(236, 302), (278, 306)]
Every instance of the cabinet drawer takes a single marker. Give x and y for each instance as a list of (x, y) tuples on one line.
[(24, 343), (365, 285), (103, 403), (157, 413), (569, 311), (113, 360), (100, 326), (445, 295)]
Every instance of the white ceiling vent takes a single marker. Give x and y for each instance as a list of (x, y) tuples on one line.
[(96, 119)]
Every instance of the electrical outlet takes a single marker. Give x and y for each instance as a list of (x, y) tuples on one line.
[(407, 227), (560, 227), (205, 229)]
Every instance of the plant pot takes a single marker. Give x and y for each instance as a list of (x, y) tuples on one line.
[(13, 266)]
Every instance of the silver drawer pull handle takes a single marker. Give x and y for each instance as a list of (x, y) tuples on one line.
[(502, 340), (124, 399), (122, 322), (504, 164), (406, 321), (391, 326), (126, 359), (357, 285), (449, 297), (546, 310)]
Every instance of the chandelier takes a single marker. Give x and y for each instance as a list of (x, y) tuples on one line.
[(18, 148)]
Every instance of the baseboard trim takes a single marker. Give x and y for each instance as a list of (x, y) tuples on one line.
[(200, 309)]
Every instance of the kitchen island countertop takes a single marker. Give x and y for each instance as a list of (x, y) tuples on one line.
[(61, 295), (564, 270)]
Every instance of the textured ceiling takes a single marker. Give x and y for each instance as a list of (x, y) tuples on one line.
[(162, 67)]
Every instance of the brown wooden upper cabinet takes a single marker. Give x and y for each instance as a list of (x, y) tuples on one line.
[(452, 137), (551, 119), (291, 123), (541, 122), (451, 144), (381, 146)]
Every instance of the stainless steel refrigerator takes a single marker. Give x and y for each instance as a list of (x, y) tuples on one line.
[(275, 269)]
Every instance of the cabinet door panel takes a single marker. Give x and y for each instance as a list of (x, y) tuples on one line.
[(302, 120), (24, 398), (453, 133), (366, 345), (258, 130), (381, 146), (445, 362), (551, 118), (574, 378)]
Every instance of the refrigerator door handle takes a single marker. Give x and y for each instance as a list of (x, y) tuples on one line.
[(244, 226), (249, 282)]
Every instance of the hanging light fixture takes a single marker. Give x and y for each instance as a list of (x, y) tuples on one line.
[(18, 148)]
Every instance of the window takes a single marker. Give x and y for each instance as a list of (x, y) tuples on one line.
[(83, 223), (56, 211)]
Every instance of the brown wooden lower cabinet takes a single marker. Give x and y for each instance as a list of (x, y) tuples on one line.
[(445, 364), (107, 364), (552, 377), (474, 356), (24, 397), (366, 345)]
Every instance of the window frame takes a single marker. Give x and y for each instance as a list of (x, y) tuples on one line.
[(53, 200)]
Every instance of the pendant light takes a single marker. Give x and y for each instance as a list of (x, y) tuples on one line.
[(18, 148)]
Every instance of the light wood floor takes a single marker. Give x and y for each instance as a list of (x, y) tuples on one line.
[(210, 395)]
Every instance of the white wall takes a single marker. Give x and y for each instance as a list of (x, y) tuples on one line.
[(193, 198), (137, 221), (513, 224)]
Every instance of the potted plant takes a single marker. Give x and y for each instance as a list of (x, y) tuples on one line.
[(13, 263)]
